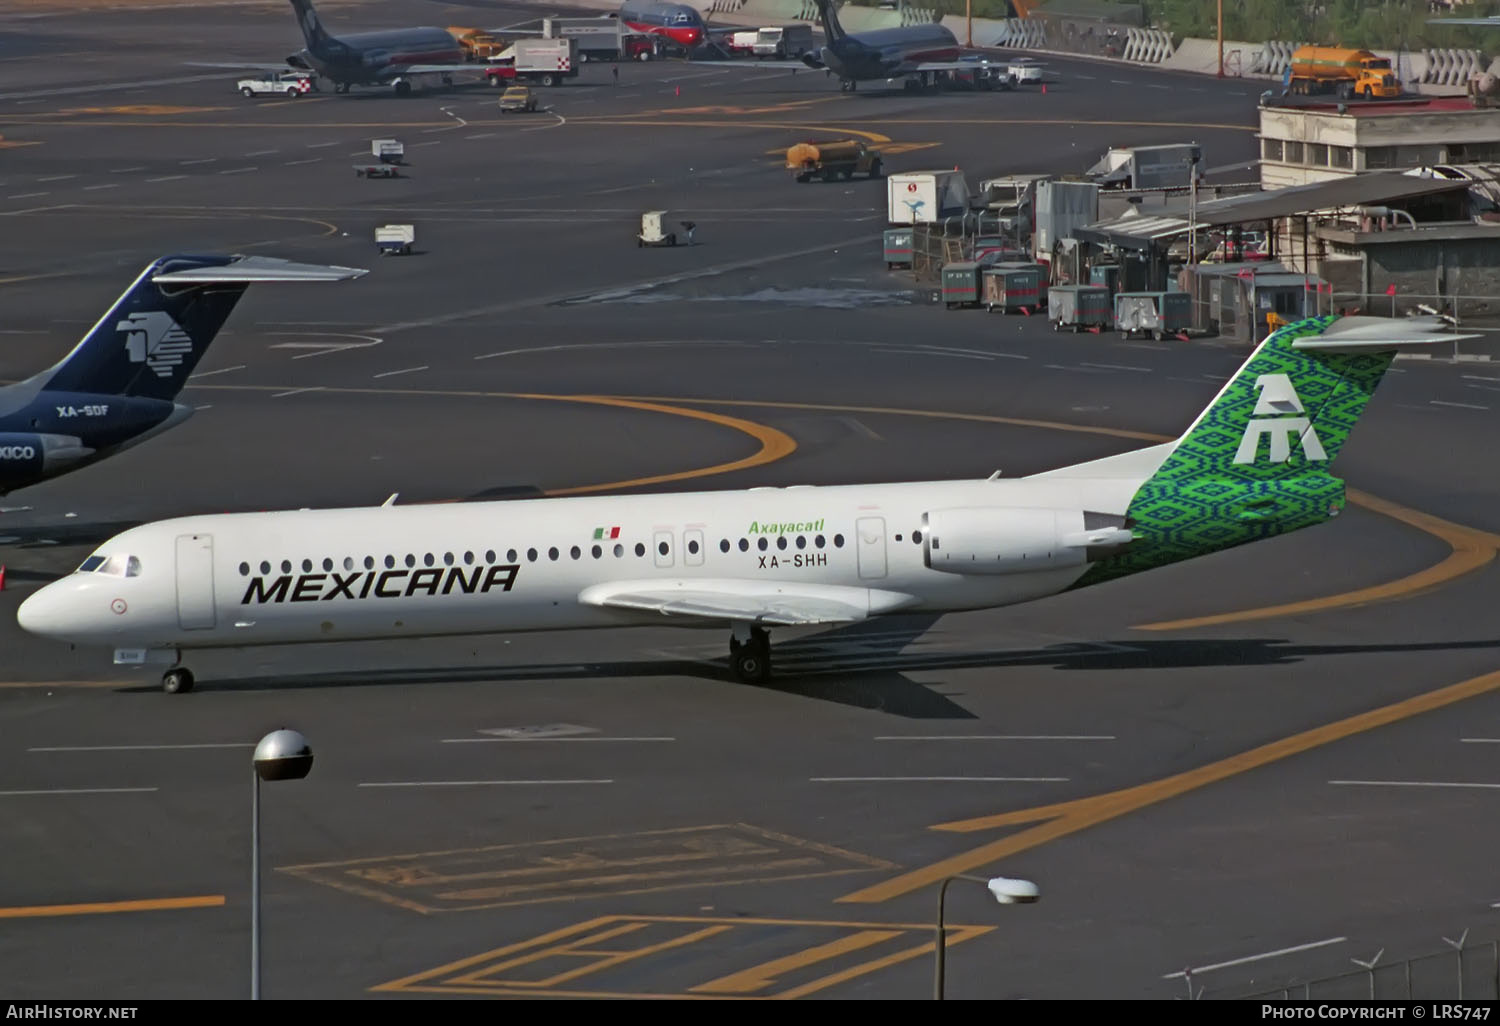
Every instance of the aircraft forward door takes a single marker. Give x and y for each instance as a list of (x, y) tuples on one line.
[(661, 548), (869, 537), (195, 581), (692, 547)]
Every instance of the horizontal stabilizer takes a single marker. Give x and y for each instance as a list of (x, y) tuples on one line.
[(1376, 345), (1364, 334), (260, 269)]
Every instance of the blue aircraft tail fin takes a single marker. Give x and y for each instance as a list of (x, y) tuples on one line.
[(832, 30), (319, 42), (154, 335)]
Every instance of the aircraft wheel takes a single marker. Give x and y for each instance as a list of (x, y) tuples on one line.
[(403, 88), (247, 93), (178, 680), (751, 661)]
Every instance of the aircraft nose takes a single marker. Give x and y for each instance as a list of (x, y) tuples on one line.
[(44, 613)]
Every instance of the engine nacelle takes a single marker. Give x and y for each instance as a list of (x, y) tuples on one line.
[(26, 456), (1010, 540)]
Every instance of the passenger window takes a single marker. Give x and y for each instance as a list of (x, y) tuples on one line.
[(693, 547), (244, 569), (597, 552), (307, 566), (531, 555), (390, 561), (411, 560), (662, 548), (369, 562), (724, 545), (468, 558), (818, 541), (916, 536), (510, 555), (95, 562), (619, 551), (265, 567), (762, 544), (489, 555), (327, 564), (640, 550), (838, 541), (133, 567), (801, 542), (574, 552), (447, 559), (286, 566), (427, 560), (898, 537), (349, 562), (744, 544), (781, 541), (552, 553)]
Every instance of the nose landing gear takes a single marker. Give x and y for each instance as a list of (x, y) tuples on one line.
[(177, 680)]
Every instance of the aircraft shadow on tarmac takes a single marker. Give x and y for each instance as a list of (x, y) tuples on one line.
[(865, 666)]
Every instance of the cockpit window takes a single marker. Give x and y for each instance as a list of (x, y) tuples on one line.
[(91, 564), (132, 567), (682, 19), (115, 566)]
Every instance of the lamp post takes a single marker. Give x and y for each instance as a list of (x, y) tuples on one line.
[(969, 19), (1221, 39), (281, 755), (1005, 891)]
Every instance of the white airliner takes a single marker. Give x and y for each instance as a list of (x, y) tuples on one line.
[(1253, 465)]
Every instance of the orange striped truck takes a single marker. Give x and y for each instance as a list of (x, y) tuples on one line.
[(1349, 73)]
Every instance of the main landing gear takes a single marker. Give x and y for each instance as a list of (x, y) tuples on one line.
[(177, 680), (848, 85), (750, 654)]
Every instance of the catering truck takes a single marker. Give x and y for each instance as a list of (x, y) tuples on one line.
[(783, 42), (1332, 69), (599, 39), (543, 61), (925, 197), (1173, 166)]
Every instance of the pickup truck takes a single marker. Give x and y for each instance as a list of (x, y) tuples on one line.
[(517, 98), (290, 84)]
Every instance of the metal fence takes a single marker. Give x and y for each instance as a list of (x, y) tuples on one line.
[(1466, 971)]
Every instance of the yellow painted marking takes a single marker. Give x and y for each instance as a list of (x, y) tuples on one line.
[(764, 975), (715, 109), (1064, 818), (141, 108), (16, 278), (602, 959), (842, 130), (103, 907), (478, 971), (11, 144)]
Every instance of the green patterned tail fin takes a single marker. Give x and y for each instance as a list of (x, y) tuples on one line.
[(1255, 462)]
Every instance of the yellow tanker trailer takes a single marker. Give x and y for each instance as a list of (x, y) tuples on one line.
[(1349, 73)]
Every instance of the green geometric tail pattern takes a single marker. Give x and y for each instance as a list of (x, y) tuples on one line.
[(1255, 464)]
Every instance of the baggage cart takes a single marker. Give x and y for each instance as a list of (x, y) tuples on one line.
[(960, 284), (1157, 314), (1043, 275), (376, 171), (1079, 307), (1010, 288), (651, 233), (395, 238), (897, 248)]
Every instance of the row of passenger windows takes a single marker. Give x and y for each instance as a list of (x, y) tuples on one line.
[(512, 555)]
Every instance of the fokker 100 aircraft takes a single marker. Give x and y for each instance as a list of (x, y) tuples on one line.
[(1255, 464)]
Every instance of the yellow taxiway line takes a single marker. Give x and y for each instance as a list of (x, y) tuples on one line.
[(103, 907)]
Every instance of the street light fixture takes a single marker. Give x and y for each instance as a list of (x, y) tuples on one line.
[(280, 755), (1005, 891)]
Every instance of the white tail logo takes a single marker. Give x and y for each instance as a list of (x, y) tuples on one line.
[(156, 340), (1278, 396)]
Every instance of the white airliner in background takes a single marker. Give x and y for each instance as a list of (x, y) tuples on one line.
[(1253, 465)]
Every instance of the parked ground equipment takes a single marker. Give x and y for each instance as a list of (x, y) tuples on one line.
[(1332, 69), (1172, 166), (897, 244), (961, 284), (1042, 275), (651, 233), (395, 239), (1008, 288), (518, 99), (387, 151), (829, 160), (542, 61), (1157, 314), (926, 197), (1079, 307)]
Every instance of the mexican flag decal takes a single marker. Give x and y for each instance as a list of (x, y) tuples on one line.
[(601, 533)]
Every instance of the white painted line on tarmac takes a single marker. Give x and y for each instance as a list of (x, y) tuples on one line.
[(404, 370), (321, 145), (167, 178), (296, 391), (1461, 406), (1081, 370), (481, 135), (82, 790), (1480, 740), (1258, 958), (238, 170), (1117, 366), (124, 170), (56, 178), (309, 160), (261, 153), (91, 188), (1416, 783), (472, 783), (943, 780), (995, 737), (200, 160), (139, 748), (485, 740), (28, 195), (222, 370)]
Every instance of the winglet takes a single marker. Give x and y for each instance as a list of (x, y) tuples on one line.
[(391, 501)]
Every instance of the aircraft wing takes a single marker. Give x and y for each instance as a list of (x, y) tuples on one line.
[(241, 66), (763, 602), (397, 70), (765, 65)]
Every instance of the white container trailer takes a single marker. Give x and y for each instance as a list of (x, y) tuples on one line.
[(925, 197), (599, 39), (546, 61), (1172, 166)]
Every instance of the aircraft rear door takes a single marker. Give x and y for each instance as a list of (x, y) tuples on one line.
[(661, 548), (869, 537), (195, 581)]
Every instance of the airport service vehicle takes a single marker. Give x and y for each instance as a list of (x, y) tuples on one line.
[(651, 233), (1173, 166), (1254, 464), (599, 39), (478, 44), (517, 99), (677, 23), (543, 61), (1332, 69), (783, 42), (1023, 70), (387, 151), (1153, 314), (395, 239), (1012, 200), (118, 385), (829, 160), (742, 41), (391, 57), (916, 54), (1079, 307), (290, 84), (925, 197)]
